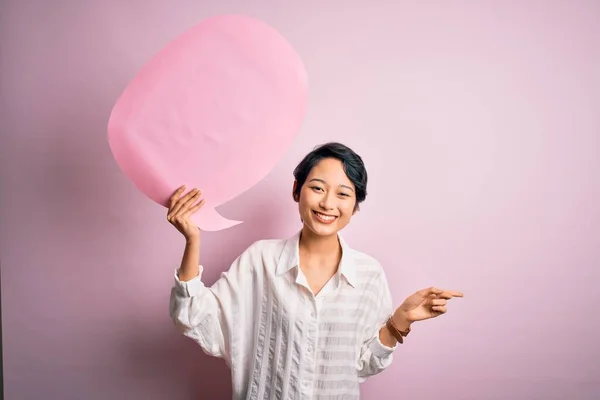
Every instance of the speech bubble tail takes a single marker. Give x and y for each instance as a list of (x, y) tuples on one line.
[(208, 219)]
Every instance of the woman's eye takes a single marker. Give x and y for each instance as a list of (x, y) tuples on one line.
[(316, 188), (344, 194)]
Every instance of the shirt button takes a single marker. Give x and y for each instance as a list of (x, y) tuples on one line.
[(310, 349), (312, 314)]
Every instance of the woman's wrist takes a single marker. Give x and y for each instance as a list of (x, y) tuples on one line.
[(401, 321), (192, 241)]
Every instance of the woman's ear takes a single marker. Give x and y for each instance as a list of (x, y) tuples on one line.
[(294, 196), (356, 209)]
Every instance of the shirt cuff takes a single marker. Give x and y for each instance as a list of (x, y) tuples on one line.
[(190, 288), (380, 350)]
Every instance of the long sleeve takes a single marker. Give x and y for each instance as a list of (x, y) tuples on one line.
[(375, 357), (207, 314)]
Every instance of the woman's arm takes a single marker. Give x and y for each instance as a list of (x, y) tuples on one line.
[(377, 350), (190, 261), (192, 306), (181, 208), (195, 310), (376, 354)]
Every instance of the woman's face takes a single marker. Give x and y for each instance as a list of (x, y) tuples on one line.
[(327, 198)]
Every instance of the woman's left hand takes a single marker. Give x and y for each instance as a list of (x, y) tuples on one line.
[(424, 304)]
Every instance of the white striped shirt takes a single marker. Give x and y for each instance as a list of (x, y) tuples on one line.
[(281, 341)]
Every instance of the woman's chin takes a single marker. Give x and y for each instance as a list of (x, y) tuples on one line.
[(320, 229)]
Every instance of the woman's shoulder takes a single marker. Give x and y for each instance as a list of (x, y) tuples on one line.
[(258, 255), (264, 249), (365, 261), (367, 267), (262, 246)]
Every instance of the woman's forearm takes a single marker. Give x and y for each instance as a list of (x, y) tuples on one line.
[(190, 261)]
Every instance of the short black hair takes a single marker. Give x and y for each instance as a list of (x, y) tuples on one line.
[(352, 163)]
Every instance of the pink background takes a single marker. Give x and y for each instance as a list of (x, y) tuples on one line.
[(480, 125)]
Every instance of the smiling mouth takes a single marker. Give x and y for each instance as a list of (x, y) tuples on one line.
[(324, 218)]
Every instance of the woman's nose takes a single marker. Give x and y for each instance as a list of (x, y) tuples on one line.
[(326, 202)]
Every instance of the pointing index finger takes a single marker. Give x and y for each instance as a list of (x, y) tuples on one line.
[(430, 291), (448, 294)]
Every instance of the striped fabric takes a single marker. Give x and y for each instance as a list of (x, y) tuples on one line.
[(280, 340)]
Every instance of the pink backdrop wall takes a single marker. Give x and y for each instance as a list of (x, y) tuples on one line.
[(480, 126)]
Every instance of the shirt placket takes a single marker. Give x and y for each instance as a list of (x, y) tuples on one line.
[(312, 330), (315, 305)]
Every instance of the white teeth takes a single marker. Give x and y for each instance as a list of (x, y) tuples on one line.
[(325, 217)]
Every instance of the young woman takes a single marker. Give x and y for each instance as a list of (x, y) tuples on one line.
[(306, 317)]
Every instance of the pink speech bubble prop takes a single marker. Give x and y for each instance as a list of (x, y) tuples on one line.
[(215, 109)]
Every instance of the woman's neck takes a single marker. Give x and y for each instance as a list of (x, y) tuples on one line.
[(317, 247)]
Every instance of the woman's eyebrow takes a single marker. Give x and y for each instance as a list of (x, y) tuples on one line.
[(323, 181)]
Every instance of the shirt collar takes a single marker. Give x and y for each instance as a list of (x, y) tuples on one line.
[(290, 257)]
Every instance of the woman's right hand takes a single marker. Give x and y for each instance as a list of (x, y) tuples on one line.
[(180, 210)]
